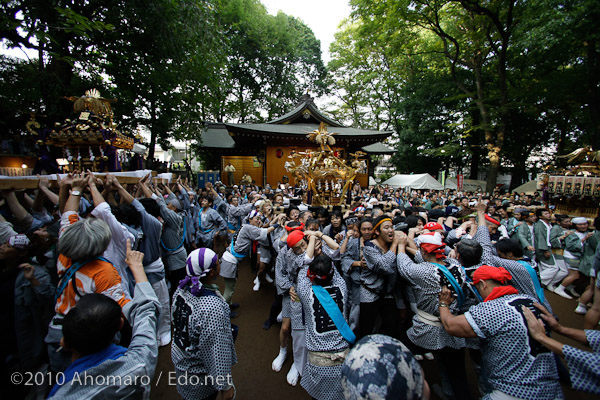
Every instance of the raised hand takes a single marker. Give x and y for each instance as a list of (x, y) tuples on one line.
[(80, 181), (28, 270), (43, 182), (134, 260), (481, 207), (536, 326)]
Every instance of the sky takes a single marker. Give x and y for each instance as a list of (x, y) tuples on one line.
[(322, 16)]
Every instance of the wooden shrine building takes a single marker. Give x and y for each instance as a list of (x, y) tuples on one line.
[(261, 150)]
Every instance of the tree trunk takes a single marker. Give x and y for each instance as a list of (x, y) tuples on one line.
[(519, 175), (153, 133), (474, 141), (489, 134)]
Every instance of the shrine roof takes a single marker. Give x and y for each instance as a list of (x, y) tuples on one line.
[(378, 148), (303, 130)]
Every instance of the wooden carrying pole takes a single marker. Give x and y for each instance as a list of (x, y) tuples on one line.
[(31, 182)]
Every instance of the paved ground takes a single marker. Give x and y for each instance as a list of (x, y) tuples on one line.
[(256, 349)]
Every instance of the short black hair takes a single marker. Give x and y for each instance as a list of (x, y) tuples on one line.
[(293, 224), (336, 213), (151, 206), (560, 217), (413, 220), (127, 214), (311, 221), (365, 219), (321, 266), (470, 252), (322, 213), (91, 325), (290, 208), (377, 220), (509, 246)]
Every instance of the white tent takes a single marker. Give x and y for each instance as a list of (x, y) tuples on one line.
[(527, 188), (469, 185), (417, 181), (372, 181)]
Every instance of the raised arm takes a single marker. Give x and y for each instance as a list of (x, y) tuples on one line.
[(455, 325), (349, 234), (143, 185), (16, 208), (79, 183), (50, 195), (63, 190), (97, 197), (126, 197), (310, 249), (329, 241)]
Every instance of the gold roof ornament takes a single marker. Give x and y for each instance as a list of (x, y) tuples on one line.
[(93, 102)]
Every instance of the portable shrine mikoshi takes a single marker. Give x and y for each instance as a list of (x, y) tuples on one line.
[(574, 190), (89, 140), (323, 173)]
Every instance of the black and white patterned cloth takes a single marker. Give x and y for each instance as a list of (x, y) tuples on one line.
[(295, 264), (518, 365), (521, 279), (322, 382), (352, 254), (282, 282), (381, 367), (352, 277), (425, 280), (584, 368), (379, 278), (202, 344)]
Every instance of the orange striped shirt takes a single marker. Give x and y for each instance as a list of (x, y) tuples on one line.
[(96, 276)]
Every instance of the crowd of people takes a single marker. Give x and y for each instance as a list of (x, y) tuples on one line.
[(97, 275)]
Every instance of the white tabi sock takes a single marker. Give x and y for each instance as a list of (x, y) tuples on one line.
[(280, 359)]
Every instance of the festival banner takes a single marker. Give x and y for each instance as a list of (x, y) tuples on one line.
[(552, 184), (597, 187), (578, 185), (569, 182), (588, 186), (560, 184)]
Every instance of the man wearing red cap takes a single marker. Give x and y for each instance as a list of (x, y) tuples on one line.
[(296, 258), (434, 227), (519, 367), (493, 226)]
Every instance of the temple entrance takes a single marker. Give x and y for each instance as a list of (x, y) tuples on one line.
[(243, 165)]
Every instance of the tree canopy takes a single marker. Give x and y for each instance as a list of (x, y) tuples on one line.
[(465, 85), (471, 82), (172, 64)]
